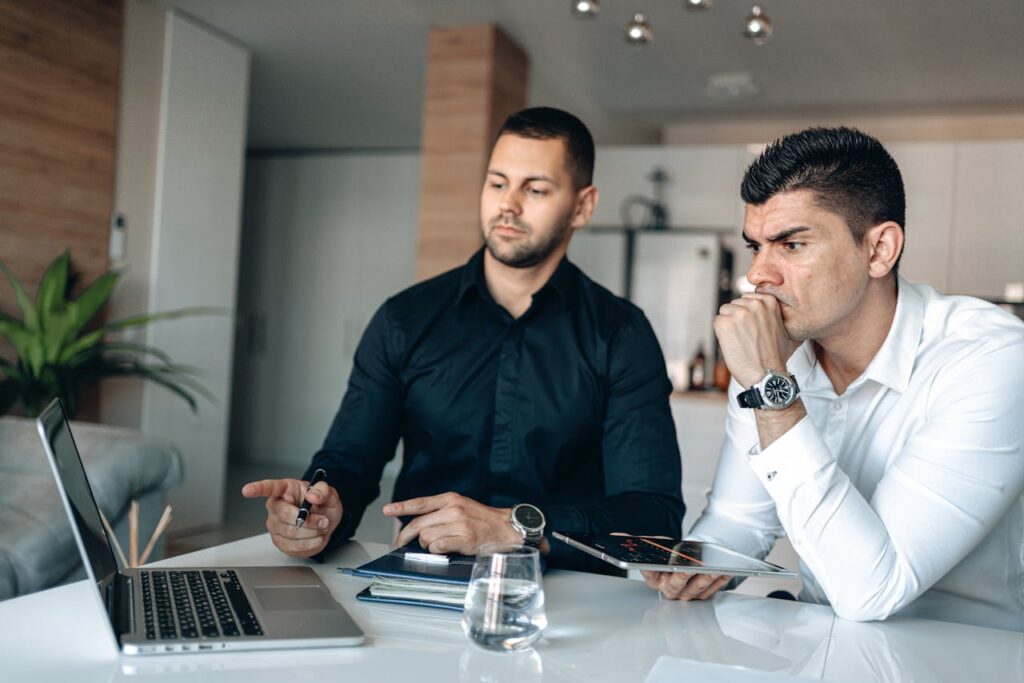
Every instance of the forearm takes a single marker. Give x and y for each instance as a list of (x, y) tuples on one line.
[(640, 513), (773, 424), (872, 558)]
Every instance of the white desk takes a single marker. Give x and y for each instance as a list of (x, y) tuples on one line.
[(601, 629)]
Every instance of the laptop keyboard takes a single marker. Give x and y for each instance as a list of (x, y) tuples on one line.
[(189, 604)]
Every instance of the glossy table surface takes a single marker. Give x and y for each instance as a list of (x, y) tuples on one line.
[(600, 629)]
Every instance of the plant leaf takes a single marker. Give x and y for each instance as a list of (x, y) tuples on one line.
[(31, 319), (26, 344), (139, 370), (90, 301), (121, 347), (80, 345), (15, 332), (50, 295), (147, 318)]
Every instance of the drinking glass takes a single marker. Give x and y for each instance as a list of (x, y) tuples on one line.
[(505, 603)]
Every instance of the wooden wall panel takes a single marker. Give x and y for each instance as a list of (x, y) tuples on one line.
[(59, 81), (476, 77)]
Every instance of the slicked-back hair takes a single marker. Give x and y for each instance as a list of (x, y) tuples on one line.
[(548, 123), (850, 173)]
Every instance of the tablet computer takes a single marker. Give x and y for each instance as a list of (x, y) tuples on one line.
[(648, 553)]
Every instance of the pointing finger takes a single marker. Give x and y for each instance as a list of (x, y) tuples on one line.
[(416, 506), (267, 488)]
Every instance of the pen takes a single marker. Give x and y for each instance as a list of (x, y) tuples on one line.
[(318, 476)]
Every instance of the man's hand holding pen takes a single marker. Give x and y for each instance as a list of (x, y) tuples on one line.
[(284, 498)]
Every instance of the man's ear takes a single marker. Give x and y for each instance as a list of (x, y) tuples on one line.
[(586, 201), (885, 243)]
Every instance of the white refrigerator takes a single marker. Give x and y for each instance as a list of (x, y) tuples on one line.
[(676, 277)]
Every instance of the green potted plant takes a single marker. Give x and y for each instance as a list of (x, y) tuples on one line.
[(59, 350)]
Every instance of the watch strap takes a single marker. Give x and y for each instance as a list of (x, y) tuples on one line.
[(751, 398)]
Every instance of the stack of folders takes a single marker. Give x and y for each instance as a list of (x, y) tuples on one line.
[(412, 576)]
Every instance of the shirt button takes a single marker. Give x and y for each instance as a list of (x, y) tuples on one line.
[(837, 407), (771, 475)]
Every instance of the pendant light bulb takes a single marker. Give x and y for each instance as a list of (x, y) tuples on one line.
[(697, 5), (586, 9), (757, 26), (638, 31)]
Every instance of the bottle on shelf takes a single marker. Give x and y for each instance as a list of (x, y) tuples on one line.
[(698, 370), (720, 376)]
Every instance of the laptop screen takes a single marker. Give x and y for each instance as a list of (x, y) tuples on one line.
[(84, 513)]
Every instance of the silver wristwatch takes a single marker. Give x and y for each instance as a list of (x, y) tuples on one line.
[(775, 391), (529, 521)]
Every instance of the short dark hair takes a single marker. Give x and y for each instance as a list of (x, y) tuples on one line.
[(548, 123), (849, 172)]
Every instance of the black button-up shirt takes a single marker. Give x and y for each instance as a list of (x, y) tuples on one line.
[(565, 407)]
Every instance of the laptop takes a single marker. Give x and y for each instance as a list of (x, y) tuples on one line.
[(190, 609)]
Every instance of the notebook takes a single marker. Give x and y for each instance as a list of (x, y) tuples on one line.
[(412, 576), (190, 609)]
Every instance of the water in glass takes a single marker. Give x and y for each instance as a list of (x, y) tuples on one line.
[(505, 603)]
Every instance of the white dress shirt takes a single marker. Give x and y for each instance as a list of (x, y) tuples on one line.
[(904, 494)]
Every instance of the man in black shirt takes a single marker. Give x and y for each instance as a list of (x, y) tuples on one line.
[(528, 398)]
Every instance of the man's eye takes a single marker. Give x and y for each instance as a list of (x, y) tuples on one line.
[(538, 192), (794, 246), (752, 247), (497, 185)]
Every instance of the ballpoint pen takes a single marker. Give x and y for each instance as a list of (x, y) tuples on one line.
[(318, 476)]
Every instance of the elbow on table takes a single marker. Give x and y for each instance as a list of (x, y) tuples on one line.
[(863, 612), (876, 608)]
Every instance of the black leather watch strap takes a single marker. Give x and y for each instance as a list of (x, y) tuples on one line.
[(751, 398)]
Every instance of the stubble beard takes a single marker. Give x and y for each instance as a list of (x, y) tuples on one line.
[(525, 253)]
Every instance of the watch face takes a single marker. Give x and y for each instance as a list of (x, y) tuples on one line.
[(778, 390), (529, 517)]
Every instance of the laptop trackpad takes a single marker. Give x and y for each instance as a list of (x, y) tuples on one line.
[(293, 598)]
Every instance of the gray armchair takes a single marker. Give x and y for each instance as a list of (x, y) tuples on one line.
[(37, 549)]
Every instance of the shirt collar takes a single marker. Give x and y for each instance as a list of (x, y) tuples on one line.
[(472, 276), (564, 281), (894, 361)]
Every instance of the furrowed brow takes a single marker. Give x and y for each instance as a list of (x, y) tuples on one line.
[(786, 234)]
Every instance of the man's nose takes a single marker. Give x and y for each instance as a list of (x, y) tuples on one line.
[(510, 203), (763, 270)]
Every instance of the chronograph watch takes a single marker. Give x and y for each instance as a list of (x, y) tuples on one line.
[(775, 391)]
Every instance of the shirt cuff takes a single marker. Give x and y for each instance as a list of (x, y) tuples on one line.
[(791, 461)]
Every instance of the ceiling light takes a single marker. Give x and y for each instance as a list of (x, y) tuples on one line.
[(758, 27), (585, 9), (697, 5), (638, 31)]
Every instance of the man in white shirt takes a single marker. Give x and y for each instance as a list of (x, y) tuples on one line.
[(889, 447)]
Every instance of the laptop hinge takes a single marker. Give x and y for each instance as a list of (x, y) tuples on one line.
[(120, 603)]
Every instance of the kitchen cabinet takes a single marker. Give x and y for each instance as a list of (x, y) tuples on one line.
[(988, 218), (964, 220), (620, 172), (701, 188), (928, 178)]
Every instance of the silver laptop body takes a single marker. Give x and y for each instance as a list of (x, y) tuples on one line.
[(190, 609)]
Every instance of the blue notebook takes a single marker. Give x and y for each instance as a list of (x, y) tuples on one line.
[(400, 577)]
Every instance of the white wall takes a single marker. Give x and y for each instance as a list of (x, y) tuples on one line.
[(180, 159), (142, 59), (327, 239)]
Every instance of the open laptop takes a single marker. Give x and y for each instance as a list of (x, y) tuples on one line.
[(190, 609)]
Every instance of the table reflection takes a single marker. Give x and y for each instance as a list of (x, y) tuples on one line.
[(916, 651)]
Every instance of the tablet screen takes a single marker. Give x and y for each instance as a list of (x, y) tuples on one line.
[(700, 556)]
